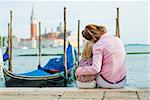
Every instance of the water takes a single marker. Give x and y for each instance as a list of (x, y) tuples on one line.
[(138, 66)]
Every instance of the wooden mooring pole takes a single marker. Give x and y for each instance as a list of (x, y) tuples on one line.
[(65, 60), (10, 42), (40, 44), (78, 41), (117, 24)]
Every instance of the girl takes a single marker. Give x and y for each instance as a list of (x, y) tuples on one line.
[(86, 81)]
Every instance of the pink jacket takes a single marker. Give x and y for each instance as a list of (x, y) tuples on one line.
[(108, 59)]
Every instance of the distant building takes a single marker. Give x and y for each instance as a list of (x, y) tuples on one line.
[(60, 28), (48, 39), (15, 41), (50, 35), (73, 38), (33, 25)]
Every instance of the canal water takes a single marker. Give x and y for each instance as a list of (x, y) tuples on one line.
[(137, 65)]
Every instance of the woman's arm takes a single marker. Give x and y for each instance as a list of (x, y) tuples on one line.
[(96, 64)]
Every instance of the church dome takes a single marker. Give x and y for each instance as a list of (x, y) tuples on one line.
[(60, 27)]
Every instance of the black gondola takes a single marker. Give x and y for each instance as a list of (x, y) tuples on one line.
[(47, 76), (47, 80)]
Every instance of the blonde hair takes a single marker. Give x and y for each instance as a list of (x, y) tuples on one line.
[(93, 32), (87, 50)]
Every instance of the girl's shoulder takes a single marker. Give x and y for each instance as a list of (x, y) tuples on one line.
[(85, 62)]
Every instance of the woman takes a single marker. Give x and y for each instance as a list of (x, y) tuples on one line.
[(108, 58), (86, 81)]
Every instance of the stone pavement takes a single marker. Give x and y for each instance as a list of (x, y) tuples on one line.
[(73, 94)]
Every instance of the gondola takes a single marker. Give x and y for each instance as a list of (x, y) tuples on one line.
[(56, 73), (47, 76)]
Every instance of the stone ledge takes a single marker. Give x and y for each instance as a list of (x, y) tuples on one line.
[(69, 93), (69, 89)]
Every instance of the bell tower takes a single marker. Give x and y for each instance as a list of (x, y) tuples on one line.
[(33, 24)]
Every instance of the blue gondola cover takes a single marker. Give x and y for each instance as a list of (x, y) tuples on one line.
[(57, 64), (6, 56)]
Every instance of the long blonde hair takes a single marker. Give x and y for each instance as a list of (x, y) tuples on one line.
[(87, 50)]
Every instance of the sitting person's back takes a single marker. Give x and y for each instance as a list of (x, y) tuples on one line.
[(113, 64)]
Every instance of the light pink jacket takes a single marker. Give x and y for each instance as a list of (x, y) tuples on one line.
[(108, 59)]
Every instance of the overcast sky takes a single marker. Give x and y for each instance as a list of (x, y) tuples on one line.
[(133, 17)]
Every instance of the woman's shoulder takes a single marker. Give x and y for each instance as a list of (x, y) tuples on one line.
[(100, 44)]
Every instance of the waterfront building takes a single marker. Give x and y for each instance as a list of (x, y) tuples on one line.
[(60, 28), (33, 29), (33, 24), (73, 38), (48, 39)]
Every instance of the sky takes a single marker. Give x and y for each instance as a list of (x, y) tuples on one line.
[(133, 17)]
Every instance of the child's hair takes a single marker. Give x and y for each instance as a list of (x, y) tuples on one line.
[(87, 50)]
